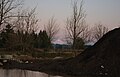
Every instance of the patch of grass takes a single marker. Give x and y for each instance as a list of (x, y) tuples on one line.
[(41, 54), (52, 55)]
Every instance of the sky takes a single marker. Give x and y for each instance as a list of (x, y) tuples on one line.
[(106, 12)]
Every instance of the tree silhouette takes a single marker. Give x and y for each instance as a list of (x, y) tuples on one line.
[(98, 31), (76, 25), (6, 9)]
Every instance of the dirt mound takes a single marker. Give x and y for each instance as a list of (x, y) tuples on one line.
[(102, 59)]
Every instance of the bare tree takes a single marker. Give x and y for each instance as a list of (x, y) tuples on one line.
[(86, 34), (26, 21), (52, 28), (76, 26), (98, 31), (6, 9), (25, 26)]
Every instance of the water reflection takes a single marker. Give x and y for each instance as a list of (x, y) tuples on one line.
[(23, 73)]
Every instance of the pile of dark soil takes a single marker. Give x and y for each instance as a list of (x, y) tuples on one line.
[(102, 59)]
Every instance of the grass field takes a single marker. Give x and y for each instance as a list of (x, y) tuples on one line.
[(44, 54)]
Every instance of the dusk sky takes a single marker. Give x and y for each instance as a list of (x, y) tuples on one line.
[(106, 12)]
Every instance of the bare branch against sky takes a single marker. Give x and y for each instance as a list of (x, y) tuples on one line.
[(105, 11), (6, 9), (52, 28)]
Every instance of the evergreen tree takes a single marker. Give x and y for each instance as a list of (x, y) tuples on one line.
[(6, 36), (23, 41), (79, 43), (42, 40), (46, 41)]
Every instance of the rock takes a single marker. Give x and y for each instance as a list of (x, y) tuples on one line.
[(26, 62), (57, 58), (4, 61), (8, 56), (1, 64)]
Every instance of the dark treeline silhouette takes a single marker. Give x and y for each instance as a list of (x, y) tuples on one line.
[(22, 33), (23, 41)]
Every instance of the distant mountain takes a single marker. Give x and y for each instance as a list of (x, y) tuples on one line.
[(59, 41)]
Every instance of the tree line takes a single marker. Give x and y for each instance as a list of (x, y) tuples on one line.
[(23, 41), (19, 29)]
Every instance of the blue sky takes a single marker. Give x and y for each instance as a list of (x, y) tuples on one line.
[(106, 12)]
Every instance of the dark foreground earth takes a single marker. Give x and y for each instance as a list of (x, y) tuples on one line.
[(100, 60)]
